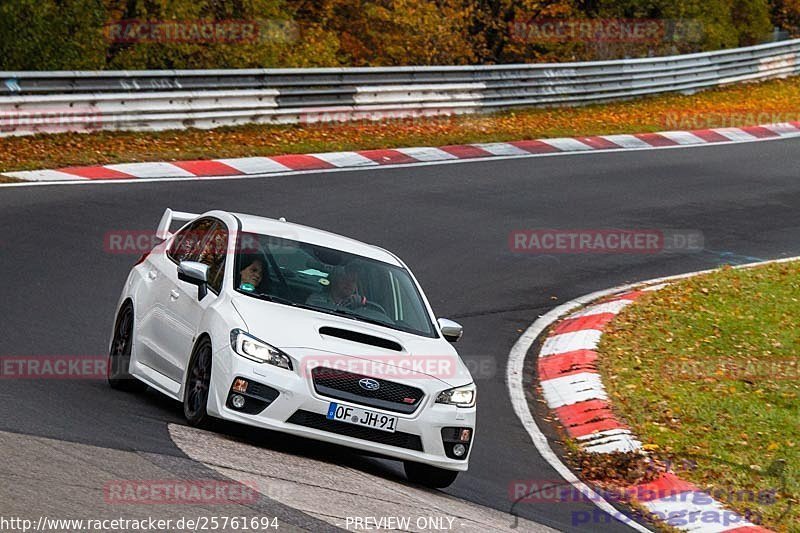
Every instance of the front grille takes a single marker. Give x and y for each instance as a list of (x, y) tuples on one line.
[(343, 385), (318, 421)]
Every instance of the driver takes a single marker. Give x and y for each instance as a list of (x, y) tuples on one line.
[(342, 291)]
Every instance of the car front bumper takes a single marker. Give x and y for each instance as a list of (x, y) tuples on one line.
[(298, 397)]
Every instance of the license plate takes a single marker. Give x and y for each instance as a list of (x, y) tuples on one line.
[(362, 417)]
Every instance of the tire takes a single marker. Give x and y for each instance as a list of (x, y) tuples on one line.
[(429, 476), (119, 356), (198, 382)]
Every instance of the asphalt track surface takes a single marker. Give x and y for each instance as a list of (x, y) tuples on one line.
[(60, 439)]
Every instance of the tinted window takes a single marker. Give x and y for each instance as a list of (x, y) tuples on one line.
[(213, 254), (187, 244), (205, 241)]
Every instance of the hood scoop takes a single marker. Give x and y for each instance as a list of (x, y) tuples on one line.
[(362, 338)]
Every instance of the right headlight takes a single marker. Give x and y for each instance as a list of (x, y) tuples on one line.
[(459, 396), (257, 350)]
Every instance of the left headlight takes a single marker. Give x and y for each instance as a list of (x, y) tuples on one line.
[(257, 350), (459, 396)]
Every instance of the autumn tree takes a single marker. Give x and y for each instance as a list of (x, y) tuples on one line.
[(398, 32), (51, 35), (98, 34), (503, 30), (786, 15), (249, 33), (697, 25)]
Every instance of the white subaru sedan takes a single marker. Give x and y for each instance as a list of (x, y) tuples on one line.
[(294, 329)]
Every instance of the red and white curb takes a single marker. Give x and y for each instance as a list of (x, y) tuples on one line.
[(572, 387), (293, 163), (570, 381)]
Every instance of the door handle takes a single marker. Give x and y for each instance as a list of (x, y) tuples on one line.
[(173, 294)]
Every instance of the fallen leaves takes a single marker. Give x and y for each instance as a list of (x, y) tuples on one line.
[(708, 368), (618, 468)]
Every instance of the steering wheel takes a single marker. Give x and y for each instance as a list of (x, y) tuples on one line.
[(274, 265), (375, 306)]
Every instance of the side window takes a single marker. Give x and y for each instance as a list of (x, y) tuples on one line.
[(205, 240), (213, 254), (186, 245)]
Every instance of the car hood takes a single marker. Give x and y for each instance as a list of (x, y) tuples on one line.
[(296, 331)]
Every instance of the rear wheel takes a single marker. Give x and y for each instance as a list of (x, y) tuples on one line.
[(429, 476), (198, 383), (119, 358)]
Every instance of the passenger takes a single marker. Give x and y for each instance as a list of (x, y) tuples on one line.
[(251, 274)]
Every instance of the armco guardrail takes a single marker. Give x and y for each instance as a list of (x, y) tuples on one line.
[(32, 102)]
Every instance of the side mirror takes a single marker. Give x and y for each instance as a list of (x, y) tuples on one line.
[(451, 331), (196, 274)]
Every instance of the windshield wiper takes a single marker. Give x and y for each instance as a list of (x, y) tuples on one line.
[(331, 311), (352, 314), (277, 299)]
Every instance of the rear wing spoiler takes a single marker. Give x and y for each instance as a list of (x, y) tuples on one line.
[(168, 218)]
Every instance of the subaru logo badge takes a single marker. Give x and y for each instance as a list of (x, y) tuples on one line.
[(369, 384)]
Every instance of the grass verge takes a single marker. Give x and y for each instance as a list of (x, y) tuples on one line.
[(740, 105), (707, 373)]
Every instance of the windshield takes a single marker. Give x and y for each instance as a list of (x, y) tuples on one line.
[(330, 281)]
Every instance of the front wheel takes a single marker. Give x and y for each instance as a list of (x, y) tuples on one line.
[(429, 476), (198, 383), (119, 358)]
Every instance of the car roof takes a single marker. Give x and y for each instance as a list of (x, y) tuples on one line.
[(298, 232)]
